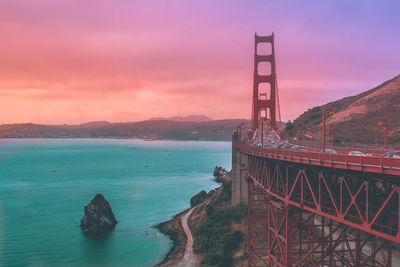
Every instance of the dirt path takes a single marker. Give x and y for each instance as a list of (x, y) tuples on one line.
[(189, 259)]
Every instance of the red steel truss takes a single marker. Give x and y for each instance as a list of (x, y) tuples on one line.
[(264, 101), (367, 202), (301, 238), (319, 216)]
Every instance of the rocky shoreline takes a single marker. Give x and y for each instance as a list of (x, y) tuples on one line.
[(173, 227)]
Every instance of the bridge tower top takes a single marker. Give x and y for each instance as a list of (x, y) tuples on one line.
[(265, 83)]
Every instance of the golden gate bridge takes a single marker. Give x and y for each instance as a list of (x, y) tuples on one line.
[(309, 207)]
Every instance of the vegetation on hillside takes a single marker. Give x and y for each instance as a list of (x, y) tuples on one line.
[(352, 126), (216, 238)]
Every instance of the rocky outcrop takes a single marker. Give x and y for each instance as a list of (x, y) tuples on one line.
[(173, 229), (198, 198), (212, 192), (99, 217), (220, 174), (220, 199)]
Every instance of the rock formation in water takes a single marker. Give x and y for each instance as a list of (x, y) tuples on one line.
[(99, 217), (220, 173)]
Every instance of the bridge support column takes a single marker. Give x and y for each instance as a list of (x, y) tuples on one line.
[(240, 169)]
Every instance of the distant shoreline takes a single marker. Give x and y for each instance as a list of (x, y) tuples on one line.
[(216, 130)]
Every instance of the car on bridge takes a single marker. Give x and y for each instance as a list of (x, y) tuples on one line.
[(286, 146), (299, 148), (274, 146), (356, 153), (328, 151), (392, 154)]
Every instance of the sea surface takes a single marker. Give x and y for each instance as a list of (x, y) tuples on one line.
[(45, 184)]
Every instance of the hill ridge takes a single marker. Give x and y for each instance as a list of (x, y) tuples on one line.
[(214, 130), (356, 117)]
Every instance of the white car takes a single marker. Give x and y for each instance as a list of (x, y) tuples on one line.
[(328, 151), (356, 153), (299, 148)]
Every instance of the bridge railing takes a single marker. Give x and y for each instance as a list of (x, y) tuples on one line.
[(341, 161), (374, 151), (346, 148)]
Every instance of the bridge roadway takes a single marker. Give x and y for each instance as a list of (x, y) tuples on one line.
[(372, 164)]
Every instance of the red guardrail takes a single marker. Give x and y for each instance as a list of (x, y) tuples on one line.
[(371, 164), (375, 151)]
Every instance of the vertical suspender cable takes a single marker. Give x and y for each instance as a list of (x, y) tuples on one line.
[(277, 97)]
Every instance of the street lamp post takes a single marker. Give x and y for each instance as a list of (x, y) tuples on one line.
[(385, 124), (329, 111)]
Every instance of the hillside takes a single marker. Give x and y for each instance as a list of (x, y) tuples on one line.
[(220, 230), (195, 118), (356, 118), (150, 129)]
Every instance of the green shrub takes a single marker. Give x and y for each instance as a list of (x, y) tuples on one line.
[(214, 238)]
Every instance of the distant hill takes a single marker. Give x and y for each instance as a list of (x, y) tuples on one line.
[(356, 118), (149, 129), (195, 118), (94, 124)]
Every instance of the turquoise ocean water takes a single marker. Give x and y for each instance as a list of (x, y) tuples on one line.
[(45, 183)]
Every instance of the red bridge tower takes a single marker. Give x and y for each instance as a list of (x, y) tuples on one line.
[(264, 90)]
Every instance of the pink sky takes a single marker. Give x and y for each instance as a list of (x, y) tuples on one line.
[(75, 61)]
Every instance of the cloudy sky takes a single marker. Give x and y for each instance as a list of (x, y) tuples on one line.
[(73, 61)]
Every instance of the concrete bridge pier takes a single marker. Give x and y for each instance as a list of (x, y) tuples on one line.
[(240, 169)]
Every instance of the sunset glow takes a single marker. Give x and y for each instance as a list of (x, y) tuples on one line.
[(78, 61)]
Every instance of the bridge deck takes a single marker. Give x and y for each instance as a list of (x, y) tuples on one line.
[(370, 164)]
